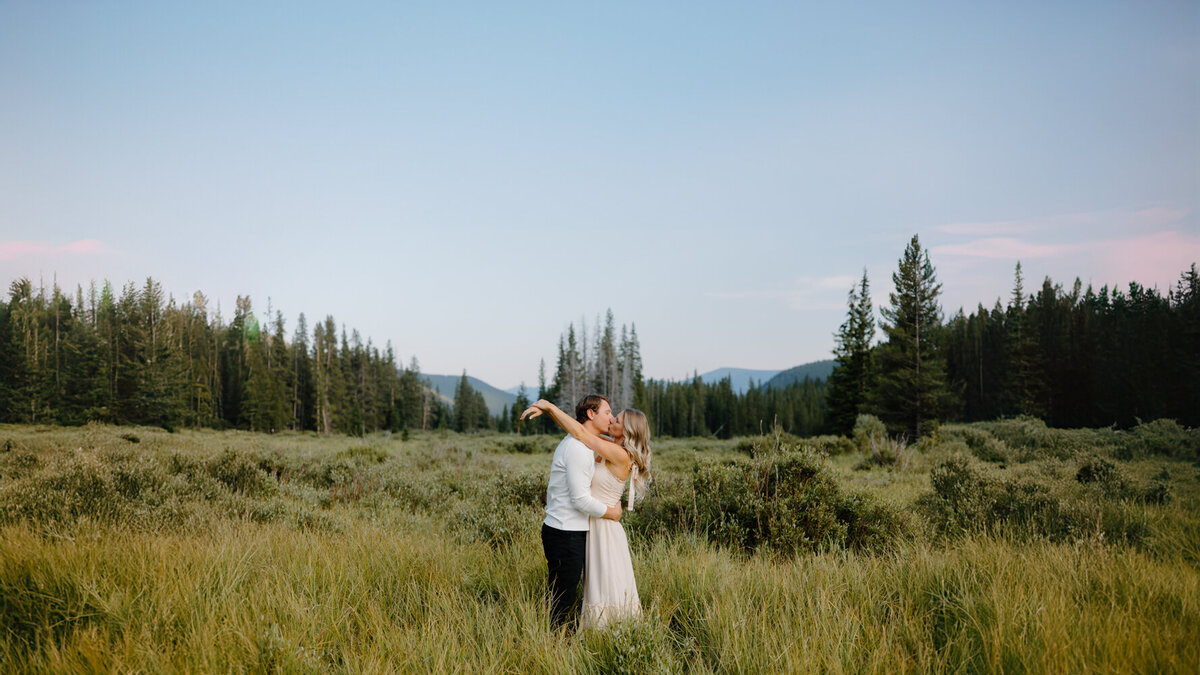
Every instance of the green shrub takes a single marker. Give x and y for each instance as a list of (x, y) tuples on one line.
[(240, 473), (532, 445), (772, 443), (866, 429), (1159, 491), (787, 503), (1029, 439), (966, 498), (365, 454), (829, 445), (502, 510), (1165, 437), (1104, 475), (980, 442)]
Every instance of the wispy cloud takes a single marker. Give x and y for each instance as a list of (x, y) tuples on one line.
[(1004, 249), (1012, 227), (1148, 218), (1147, 259), (1145, 253), (12, 250)]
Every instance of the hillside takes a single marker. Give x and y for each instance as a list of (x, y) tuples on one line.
[(495, 398), (739, 378), (817, 370)]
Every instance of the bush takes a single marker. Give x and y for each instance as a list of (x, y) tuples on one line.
[(965, 498), (866, 429), (1166, 437), (829, 445), (502, 510), (1104, 475), (786, 503), (765, 444), (365, 454), (980, 442), (531, 445), (240, 474), (1159, 491)]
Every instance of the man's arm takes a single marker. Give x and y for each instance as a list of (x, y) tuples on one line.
[(577, 460)]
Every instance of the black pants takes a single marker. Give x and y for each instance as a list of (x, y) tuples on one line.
[(566, 552)]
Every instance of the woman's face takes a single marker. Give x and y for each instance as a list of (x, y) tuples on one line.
[(618, 430)]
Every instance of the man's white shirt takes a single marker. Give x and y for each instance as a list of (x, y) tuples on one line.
[(569, 499)]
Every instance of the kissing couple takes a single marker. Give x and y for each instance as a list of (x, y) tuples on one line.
[(582, 533)]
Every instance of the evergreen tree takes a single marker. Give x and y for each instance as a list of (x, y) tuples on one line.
[(518, 407), (470, 411), (853, 375), (911, 388), (1025, 369), (303, 391)]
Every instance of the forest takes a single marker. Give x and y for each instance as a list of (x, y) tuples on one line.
[(1073, 358)]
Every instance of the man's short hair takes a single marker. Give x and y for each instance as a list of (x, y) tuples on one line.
[(589, 402)]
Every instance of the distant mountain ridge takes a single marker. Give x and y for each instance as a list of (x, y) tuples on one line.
[(739, 378), (495, 398), (817, 370)]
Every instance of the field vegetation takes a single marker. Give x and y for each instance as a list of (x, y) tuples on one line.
[(1000, 546)]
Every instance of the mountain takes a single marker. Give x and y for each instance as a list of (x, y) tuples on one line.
[(530, 392), (739, 378), (495, 398), (817, 370)]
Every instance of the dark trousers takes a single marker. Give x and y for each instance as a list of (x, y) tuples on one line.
[(566, 552)]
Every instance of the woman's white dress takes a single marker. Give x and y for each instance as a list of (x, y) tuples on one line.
[(609, 590)]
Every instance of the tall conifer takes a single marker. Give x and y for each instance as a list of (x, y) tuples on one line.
[(911, 388)]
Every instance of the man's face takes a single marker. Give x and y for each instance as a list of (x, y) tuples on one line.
[(604, 419)]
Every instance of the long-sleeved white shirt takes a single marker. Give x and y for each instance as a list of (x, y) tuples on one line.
[(569, 499)]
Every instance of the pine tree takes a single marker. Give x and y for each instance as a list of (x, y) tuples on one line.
[(518, 407), (470, 410), (911, 388), (853, 375), (1023, 395)]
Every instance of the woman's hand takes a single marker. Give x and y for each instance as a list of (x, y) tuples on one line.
[(536, 408)]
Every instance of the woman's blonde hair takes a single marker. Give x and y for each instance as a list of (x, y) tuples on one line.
[(637, 444)]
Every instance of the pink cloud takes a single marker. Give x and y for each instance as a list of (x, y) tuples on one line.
[(1153, 217), (1003, 248), (11, 250), (1009, 227), (1154, 259)]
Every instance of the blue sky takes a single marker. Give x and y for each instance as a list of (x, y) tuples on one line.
[(464, 179)]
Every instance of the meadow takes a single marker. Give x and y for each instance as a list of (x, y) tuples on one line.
[(990, 547)]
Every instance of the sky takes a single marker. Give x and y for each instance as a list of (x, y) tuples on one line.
[(466, 179)]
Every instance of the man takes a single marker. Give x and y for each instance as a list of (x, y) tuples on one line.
[(569, 503)]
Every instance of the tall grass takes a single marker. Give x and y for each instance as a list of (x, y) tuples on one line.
[(308, 554)]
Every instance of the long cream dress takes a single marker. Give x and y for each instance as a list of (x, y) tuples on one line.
[(609, 590)]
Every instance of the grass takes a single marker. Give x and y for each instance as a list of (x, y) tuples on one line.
[(205, 551)]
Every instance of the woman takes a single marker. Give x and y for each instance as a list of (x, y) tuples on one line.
[(609, 590)]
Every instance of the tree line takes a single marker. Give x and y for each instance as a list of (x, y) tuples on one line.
[(139, 357), (1075, 358)]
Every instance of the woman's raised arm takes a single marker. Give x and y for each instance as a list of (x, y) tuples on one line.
[(605, 448)]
